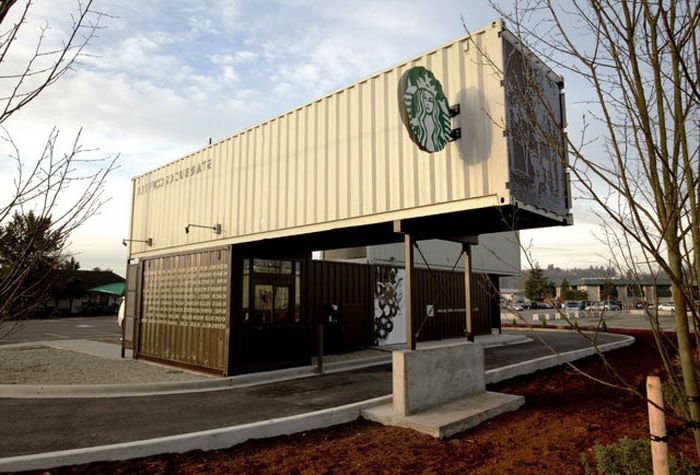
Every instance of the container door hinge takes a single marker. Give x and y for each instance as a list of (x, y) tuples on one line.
[(454, 110), (455, 134)]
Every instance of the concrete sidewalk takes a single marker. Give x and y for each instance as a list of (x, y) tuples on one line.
[(125, 427), (78, 362), (85, 368)]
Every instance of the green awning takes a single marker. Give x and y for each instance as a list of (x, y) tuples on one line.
[(116, 288)]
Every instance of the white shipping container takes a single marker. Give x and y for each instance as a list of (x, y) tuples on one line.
[(346, 160)]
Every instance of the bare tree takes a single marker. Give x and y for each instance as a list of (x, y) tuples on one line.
[(637, 158), (61, 190)]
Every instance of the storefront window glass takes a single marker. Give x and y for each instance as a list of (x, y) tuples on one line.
[(281, 304), (263, 304), (271, 266)]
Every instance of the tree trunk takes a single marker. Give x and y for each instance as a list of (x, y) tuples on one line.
[(685, 349)]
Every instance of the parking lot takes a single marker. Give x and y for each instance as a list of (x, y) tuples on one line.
[(635, 319), (88, 328)]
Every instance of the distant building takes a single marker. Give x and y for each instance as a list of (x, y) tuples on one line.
[(497, 254), (510, 295), (84, 292), (629, 291)]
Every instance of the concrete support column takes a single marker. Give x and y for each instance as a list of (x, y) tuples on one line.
[(408, 297)]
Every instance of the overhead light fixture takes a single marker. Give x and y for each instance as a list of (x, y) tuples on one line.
[(148, 242), (216, 228)]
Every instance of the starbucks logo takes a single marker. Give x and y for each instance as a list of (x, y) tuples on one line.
[(424, 109)]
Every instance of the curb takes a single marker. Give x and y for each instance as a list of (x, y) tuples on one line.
[(204, 440), (527, 367), (56, 391), (32, 391)]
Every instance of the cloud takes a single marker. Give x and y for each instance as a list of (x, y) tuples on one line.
[(566, 246), (168, 74), (282, 88), (226, 63)]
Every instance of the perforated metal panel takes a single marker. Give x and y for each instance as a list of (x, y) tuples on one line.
[(185, 309)]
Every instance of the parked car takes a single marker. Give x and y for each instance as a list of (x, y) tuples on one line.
[(666, 307), (596, 307), (609, 305), (517, 306), (574, 305)]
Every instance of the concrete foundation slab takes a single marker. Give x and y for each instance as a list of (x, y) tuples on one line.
[(449, 418)]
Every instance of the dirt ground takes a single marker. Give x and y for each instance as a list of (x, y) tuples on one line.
[(565, 415)]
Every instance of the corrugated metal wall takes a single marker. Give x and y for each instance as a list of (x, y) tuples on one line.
[(345, 284), (352, 286), (342, 160), (445, 291), (185, 309)]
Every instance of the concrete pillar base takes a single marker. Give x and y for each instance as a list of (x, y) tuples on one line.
[(450, 418)]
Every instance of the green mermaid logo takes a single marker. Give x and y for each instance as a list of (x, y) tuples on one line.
[(424, 109)]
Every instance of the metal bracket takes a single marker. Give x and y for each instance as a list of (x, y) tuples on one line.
[(454, 110), (216, 227), (455, 134), (147, 242)]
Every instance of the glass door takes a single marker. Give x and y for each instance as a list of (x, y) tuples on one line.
[(271, 304)]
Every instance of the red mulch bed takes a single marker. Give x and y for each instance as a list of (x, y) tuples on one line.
[(565, 415)]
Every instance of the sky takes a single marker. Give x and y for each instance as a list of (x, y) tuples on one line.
[(165, 76)]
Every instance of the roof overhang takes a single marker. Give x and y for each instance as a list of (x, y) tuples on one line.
[(460, 226)]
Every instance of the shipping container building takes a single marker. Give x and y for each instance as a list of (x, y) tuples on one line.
[(221, 275)]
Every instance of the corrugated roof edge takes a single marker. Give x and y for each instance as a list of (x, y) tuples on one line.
[(498, 24)]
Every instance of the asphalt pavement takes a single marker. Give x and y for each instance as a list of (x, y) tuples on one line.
[(42, 425), (103, 329)]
